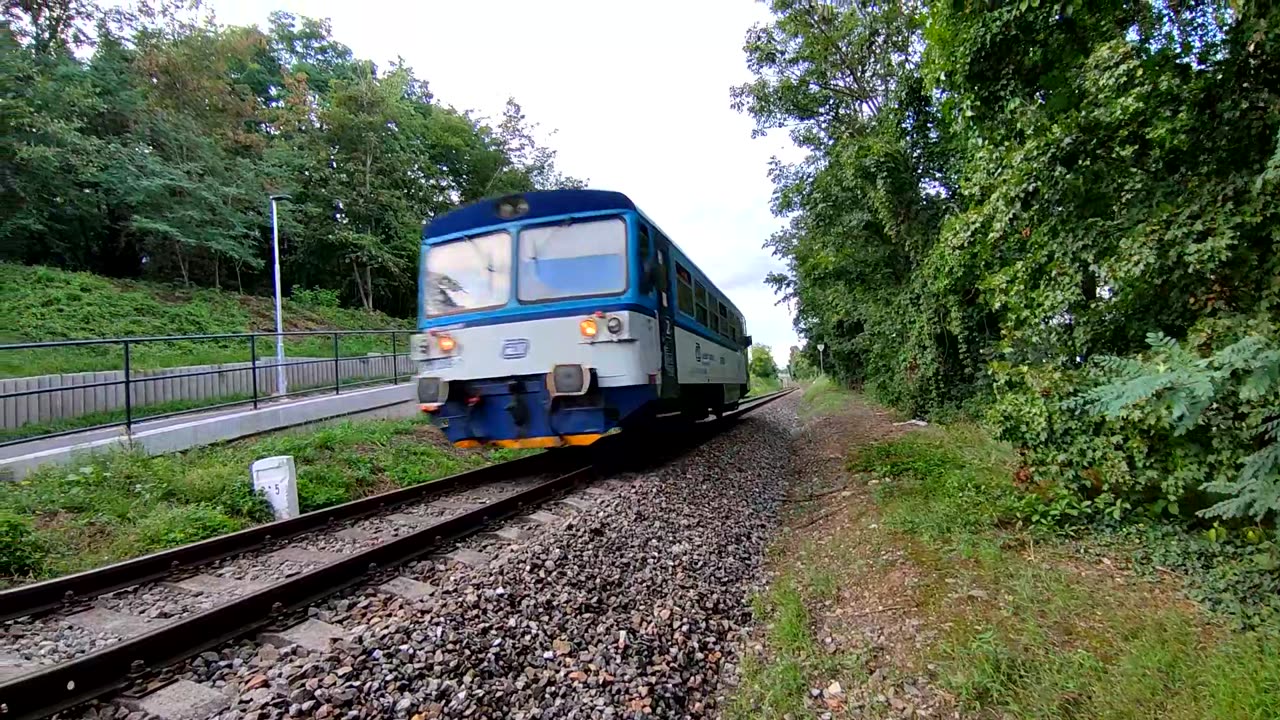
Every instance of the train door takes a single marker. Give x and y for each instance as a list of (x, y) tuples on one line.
[(664, 283)]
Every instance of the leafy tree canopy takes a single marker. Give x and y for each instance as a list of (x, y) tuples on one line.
[(144, 142), (1003, 203)]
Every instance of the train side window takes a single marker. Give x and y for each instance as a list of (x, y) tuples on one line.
[(684, 290), (644, 243), (700, 302), (715, 323)]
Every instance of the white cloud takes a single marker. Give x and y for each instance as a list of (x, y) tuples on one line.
[(639, 95)]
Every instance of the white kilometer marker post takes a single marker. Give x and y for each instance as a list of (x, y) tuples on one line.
[(277, 479)]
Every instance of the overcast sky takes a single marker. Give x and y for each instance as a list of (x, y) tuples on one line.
[(637, 92)]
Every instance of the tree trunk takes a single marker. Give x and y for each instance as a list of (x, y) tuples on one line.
[(182, 264), (365, 300), (368, 283), (239, 285), (217, 280)]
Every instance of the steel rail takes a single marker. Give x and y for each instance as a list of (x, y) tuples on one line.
[(44, 692), (50, 594)]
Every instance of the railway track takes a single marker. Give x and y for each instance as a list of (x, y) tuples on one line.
[(211, 592)]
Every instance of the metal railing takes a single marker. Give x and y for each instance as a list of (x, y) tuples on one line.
[(134, 380)]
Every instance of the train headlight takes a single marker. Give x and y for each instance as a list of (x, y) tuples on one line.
[(614, 324), (446, 343), (568, 380), (588, 328), (432, 390), (511, 207)]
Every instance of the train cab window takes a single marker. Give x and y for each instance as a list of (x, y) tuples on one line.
[(684, 290), (580, 259), (468, 274), (700, 303)]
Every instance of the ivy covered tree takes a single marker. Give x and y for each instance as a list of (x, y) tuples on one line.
[(1001, 203)]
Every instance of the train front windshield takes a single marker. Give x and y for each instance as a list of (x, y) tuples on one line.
[(556, 262), (579, 259), (468, 274)]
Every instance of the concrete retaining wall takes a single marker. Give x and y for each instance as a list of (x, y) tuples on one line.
[(150, 387)]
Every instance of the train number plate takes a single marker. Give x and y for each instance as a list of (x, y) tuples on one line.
[(437, 364), (514, 348)]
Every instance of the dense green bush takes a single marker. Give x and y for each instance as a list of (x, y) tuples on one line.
[(316, 297), (1185, 429), (1063, 213), (173, 525), (20, 550)]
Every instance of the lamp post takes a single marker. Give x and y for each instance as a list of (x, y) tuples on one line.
[(281, 384), (821, 365)]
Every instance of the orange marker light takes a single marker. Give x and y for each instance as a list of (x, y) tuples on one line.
[(588, 328), (446, 343)]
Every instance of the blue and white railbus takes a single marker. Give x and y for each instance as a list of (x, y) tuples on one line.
[(550, 318)]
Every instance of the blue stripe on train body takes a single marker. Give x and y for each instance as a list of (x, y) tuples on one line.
[(663, 359)]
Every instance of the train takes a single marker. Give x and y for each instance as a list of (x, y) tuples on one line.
[(551, 318)]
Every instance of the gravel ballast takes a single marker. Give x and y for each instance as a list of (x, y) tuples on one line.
[(34, 643), (635, 604)]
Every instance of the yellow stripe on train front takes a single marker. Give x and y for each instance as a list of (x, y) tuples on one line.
[(538, 443), (581, 439), (527, 443)]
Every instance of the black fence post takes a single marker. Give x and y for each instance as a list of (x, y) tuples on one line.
[(128, 391), (253, 366), (395, 360), (337, 375)]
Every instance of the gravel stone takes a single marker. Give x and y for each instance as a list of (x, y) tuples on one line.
[(632, 604), (50, 639)]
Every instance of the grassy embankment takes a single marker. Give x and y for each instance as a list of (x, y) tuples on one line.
[(120, 505), (1009, 620), (45, 304)]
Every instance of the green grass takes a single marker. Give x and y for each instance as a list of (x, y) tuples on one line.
[(1058, 635), (777, 687), (45, 304), (119, 505), (823, 396)]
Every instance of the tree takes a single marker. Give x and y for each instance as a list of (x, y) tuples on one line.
[(1006, 209), (145, 141), (762, 364), (529, 165)]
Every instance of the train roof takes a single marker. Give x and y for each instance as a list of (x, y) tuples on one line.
[(542, 203)]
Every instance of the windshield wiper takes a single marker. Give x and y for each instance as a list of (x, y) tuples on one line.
[(484, 257)]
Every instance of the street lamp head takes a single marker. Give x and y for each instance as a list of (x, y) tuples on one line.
[(280, 196)]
